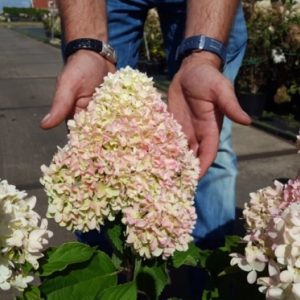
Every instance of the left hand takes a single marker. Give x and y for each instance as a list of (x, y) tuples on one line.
[(199, 96)]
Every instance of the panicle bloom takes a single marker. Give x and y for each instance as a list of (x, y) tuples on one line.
[(126, 154), (292, 191), (262, 206), (22, 238), (273, 240)]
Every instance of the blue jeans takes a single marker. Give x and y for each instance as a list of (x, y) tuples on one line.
[(215, 197)]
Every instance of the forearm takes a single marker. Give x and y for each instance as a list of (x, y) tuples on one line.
[(212, 18), (83, 19)]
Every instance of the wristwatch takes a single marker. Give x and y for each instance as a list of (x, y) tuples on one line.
[(97, 46), (201, 43)]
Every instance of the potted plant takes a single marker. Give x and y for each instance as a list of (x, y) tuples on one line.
[(252, 79), (152, 53), (285, 55), (270, 76)]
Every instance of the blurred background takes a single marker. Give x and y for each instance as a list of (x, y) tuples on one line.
[(270, 75)]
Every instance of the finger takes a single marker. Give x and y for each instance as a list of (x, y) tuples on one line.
[(178, 107), (82, 104), (228, 104), (62, 105), (208, 147)]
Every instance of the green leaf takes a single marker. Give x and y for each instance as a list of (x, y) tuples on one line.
[(204, 256), (137, 267), (230, 270), (126, 291), (152, 279), (65, 255), (116, 260), (31, 293), (209, 295), (27, 268), (231, 243), (115, 234), (191, 257), (82, 281)]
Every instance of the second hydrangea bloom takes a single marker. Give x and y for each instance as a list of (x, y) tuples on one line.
[(273, 240), (22, 238)]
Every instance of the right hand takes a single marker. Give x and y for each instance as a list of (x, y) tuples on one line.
[(76, 84), (199, 96)]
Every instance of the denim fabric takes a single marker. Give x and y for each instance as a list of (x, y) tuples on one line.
[(215, 197)]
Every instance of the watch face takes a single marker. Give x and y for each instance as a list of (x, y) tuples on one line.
[(108, 52)]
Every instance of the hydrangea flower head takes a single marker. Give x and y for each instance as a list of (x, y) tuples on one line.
[(22, 238), (126, 154), (273, 240)]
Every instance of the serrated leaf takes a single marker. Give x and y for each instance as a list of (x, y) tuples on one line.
[(65, 255), (31, 293), (82, 281), (115, 234), (192, 257), (204, 256), (231, 243), (152, 279), (126, 291)]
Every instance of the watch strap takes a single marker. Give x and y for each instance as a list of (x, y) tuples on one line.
[(201, 43), (97, 46)]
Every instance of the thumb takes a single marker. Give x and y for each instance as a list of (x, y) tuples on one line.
[(62, 105), (228, 104)]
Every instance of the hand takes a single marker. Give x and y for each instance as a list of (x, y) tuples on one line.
[(199, 96), (83, 72)]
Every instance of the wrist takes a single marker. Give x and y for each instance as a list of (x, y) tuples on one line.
[(199, 44), (204, 57), (89, 59), (96, 46)]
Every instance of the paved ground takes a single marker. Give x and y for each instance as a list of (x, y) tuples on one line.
[(28, 69)]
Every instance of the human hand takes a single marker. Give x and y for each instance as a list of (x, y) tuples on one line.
[(199, 96), (83, 72)]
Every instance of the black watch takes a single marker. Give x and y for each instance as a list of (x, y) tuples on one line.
[(97, 46), (200, 43)]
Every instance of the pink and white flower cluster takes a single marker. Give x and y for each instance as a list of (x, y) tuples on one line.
[(273, 240), (126, 154), (22, 238)]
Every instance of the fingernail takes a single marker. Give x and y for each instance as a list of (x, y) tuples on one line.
[(46, 118)]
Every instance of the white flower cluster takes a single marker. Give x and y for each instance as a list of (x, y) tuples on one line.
[(21, 237), (278, 56), (266, 6), (263, 6), (273, 240)]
